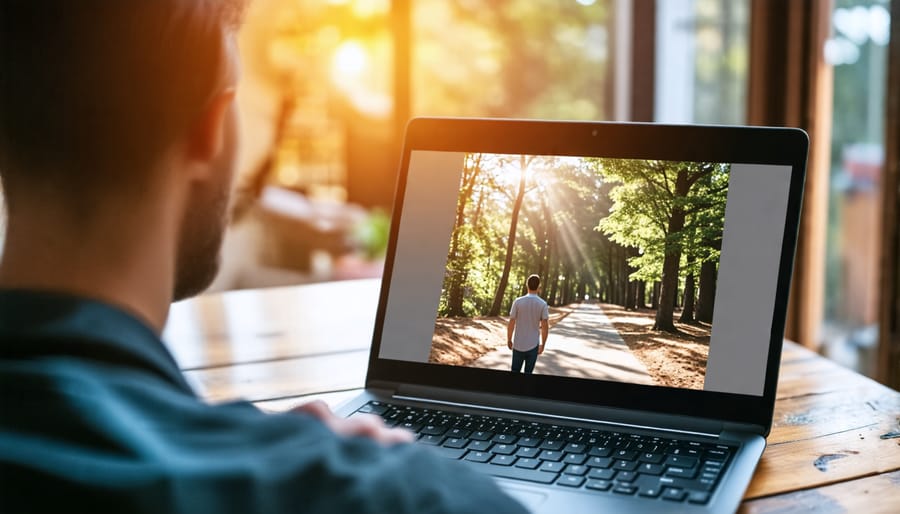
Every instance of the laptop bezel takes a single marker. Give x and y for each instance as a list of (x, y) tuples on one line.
[(747, 145)]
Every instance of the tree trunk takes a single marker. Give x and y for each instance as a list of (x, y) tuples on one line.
[(654, 300), (707, 295), (687, 313), (631, 291), (510, 242), (457, 263), (668, 294), (641, 295), (707, 292)]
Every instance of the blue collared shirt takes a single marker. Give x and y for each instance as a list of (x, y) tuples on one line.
[(97, 417)]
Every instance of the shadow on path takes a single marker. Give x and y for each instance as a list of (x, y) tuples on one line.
[(583, 345)]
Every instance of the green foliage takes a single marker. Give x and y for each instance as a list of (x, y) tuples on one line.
[(578, 218), (646, 197), (491, 58), (371, 234)]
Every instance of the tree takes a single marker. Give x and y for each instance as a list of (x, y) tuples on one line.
[(665, 209), (511, 238), (457, 258)]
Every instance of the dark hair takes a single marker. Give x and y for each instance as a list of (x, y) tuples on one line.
[(92, 91), (534, 282)]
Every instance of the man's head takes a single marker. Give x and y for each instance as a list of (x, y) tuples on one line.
[(533, 283), (98, 96)]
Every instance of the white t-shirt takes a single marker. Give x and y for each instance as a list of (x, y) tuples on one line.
[(528, 311)]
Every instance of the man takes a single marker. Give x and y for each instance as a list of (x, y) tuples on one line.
[(528, 328), (117, 150)]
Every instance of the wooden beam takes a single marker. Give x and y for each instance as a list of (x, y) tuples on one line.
[(791, 85), (888, 366)]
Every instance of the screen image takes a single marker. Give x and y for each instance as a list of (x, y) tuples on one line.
[(644, 271), (624, 257)]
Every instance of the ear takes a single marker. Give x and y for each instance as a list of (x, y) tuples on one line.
[(207, 137)]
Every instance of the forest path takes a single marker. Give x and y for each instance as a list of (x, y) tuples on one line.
[(584, 345)]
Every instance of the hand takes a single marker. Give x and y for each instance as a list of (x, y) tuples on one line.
[(541, 349), (365, 425), (509, 344)]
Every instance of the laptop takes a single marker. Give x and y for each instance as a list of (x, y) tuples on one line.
[(664, 258)]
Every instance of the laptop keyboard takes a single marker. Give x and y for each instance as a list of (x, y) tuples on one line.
[(601, 461)]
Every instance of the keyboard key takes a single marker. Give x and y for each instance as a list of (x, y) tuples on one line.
[(706, 484), (626, 476), (599, 485), (602, 474), (433, 430), (625, 454), (528, 452), (478, 456), (624, 465), (515, 473), (575, 458), (673, 494), (552, 444), (458, 432), (504, 449), (450, 453), (649, 492), (481, 435), (575, 448), (717, 454), (599, 462), (551, 466), (570, 481), (480, 446), (554, 456), (574, 469), (431, 439), (650, 469), (600, 451), (624, 489), (504, 460), (685, 483), (681, 472), (529, 442), (455, 442), (682, 462), (698, 497), (505, 438), (527, 463), (652, 458)]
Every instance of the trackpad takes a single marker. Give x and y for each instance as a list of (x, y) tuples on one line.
[(530, 498)]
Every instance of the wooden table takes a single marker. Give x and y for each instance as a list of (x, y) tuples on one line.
[(834, 445)]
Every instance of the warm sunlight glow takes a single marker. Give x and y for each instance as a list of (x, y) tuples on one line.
[(349, 62)]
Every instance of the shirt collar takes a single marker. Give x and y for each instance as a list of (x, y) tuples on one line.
[(41, 324)]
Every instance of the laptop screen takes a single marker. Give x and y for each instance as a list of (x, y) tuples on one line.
[(641, 271)]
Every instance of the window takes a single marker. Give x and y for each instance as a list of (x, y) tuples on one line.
[(858, 51)]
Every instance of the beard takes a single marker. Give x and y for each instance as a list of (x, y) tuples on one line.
[(199, 251)]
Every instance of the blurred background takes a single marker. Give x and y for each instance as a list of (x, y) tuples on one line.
[(329, 85)]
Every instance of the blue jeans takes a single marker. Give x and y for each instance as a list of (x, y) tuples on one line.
[(528, 358)]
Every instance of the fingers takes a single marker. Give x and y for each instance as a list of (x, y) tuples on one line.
[(364, 425), (316, 408)]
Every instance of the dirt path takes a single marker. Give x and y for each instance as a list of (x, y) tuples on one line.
[(586, 345)]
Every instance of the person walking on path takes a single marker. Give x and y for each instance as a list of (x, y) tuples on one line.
[(528, 328)]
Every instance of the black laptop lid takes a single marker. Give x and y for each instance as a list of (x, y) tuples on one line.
[(664, 254)]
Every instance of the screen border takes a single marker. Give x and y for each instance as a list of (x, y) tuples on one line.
[(730, 144)]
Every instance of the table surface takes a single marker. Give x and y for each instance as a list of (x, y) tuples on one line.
[(833, 447)]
